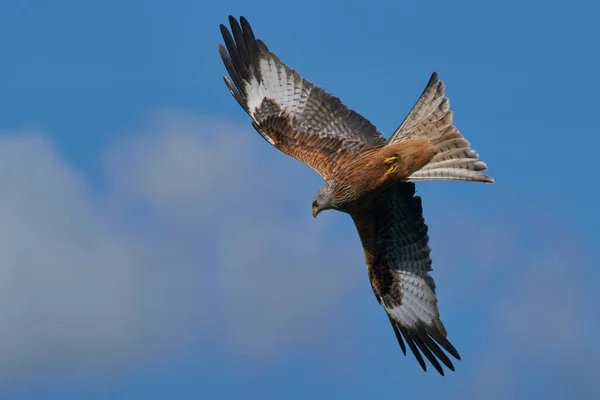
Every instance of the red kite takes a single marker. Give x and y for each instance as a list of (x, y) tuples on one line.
[(365, 175)]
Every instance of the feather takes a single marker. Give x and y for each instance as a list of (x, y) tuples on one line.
[(394, 237), (234, 56), (240, 41), (413, 348), (265, 87), (431, 117), (428, 354), (398, 335), (364, 176)]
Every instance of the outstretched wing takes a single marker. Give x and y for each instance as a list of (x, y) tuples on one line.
[(394, 237), (297, 117)]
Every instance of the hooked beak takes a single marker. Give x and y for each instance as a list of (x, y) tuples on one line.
[(315, 211)]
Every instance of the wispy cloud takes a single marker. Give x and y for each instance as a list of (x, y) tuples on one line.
[(95, 280), (275, 276), (197, 235), (76, 291)]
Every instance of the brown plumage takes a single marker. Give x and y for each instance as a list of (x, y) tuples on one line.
[(365, 175)]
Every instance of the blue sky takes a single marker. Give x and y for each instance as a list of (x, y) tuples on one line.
[(153, 246)]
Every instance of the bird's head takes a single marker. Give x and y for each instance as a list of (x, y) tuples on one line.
[(323, 200)]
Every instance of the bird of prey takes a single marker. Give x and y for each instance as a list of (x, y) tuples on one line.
[(366, 176)]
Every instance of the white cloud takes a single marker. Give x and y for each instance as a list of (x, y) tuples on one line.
[(180, 162), (276, 277), (203, 230), (173, 247), (74, 289)]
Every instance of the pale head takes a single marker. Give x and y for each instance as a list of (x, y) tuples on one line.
[(323, 200)]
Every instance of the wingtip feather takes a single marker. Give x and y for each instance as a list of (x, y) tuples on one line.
[(413, 348), (398, 335), (434, 78)]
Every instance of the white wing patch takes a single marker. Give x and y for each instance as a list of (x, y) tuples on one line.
[(287, 88), (257, 75), (395, 238), (418, 303), (256, 93)]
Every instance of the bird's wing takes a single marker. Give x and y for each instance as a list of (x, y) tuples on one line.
[(291, 113), (394, 237)]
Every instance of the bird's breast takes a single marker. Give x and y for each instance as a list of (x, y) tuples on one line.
[(357, 179)]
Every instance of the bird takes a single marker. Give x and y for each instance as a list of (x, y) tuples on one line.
[(366, 176)]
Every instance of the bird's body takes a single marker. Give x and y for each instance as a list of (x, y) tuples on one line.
[(366, 176), (361, 177)]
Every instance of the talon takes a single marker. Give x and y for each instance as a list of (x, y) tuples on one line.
[(392, 169), (390, 160)]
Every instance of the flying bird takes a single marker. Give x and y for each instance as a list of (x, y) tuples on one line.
[(366, 176)]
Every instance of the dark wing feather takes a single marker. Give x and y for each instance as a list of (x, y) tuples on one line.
[(394, 237), (291, 113)]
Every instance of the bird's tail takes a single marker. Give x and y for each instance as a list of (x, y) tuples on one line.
[(431, 118), (454, 160)]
